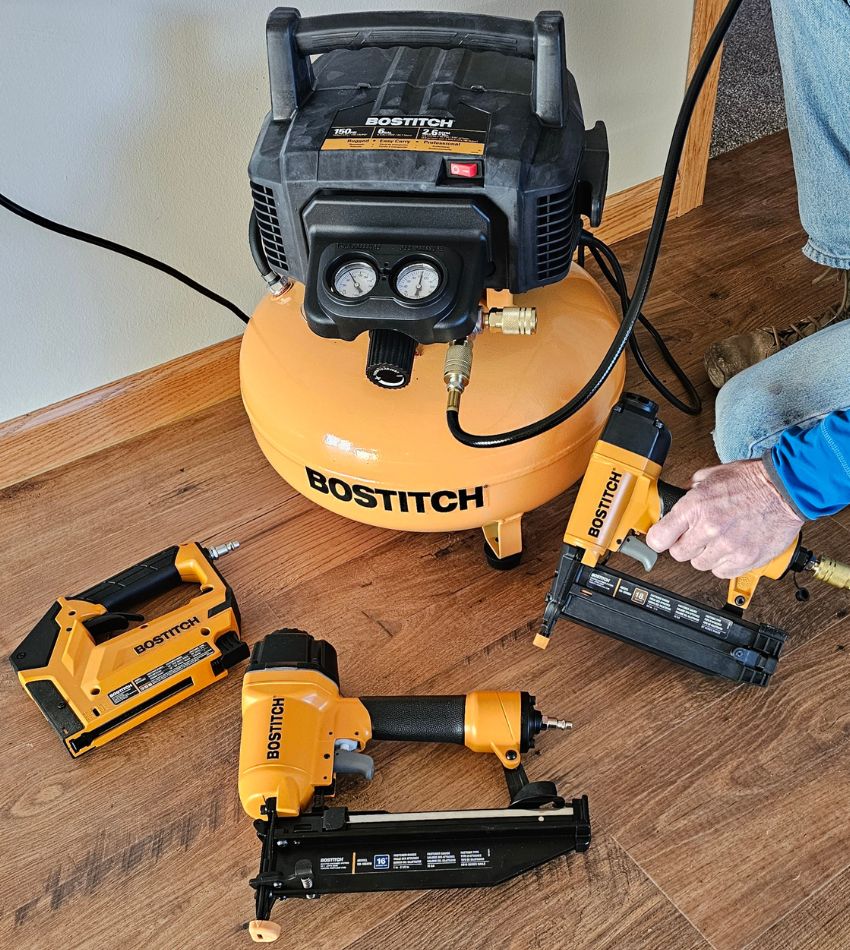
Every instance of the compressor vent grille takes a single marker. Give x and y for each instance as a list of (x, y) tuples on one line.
[(266, 210), (555, 227)]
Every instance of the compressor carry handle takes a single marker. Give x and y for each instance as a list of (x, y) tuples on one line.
[(291, 41)]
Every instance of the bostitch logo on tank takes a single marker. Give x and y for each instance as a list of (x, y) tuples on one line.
[(604, 505), (391, 499)]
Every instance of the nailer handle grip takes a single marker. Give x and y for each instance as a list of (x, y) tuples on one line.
[(668, 495), (417, 718)]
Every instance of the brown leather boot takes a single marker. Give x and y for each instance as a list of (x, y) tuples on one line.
[(726, 358)]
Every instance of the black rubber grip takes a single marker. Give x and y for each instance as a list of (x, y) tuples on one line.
[(143, 581), (417, 718), (669, 495)]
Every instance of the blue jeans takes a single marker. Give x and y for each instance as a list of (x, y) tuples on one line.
[(813, 37), (805, 382), (797, 386)]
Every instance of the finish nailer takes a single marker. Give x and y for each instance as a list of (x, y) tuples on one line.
[(622, 496), (299, 733)]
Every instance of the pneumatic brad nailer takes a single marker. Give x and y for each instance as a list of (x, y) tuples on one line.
[(298, 734), (622, 496)]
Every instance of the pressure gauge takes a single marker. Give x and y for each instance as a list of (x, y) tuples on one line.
[(355, 279), (417, 281)]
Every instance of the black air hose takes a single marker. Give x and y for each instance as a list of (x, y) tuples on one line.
[(650, 258)]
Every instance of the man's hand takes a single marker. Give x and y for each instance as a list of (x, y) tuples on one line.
[(731, 521)]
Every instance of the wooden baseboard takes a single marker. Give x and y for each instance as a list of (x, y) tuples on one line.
[(74, 428), (630, 212), (56, 435), (694, 164)]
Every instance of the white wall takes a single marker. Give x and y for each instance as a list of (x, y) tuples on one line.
[(136, 119)]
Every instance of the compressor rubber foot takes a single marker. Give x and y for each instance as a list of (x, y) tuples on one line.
[(501, 563), (503, 543)]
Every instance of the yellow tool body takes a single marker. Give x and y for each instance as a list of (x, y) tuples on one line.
[(290, 766), (618, 495), (299, 733), (95, 676)]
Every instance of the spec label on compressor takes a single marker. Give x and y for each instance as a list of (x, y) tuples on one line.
[(357, 129)]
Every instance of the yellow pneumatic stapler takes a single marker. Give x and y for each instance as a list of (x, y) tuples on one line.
[(95, 676)]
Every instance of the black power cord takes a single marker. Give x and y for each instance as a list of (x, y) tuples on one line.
[(117, 248), (647, 268), (612, 271)]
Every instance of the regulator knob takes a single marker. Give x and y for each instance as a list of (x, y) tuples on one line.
[(389, 363)]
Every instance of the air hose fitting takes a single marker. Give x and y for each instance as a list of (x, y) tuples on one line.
[(277, 285), (513, 321), (456, 371), (831, 572)]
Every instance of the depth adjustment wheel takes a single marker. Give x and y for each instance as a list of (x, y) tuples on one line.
[(389, 362)]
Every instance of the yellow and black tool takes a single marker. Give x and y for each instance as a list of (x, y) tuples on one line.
[(621, 497), (299, 733), (95, 676)]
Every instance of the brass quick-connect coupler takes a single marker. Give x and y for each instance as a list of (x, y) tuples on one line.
[(457, 370), (832, 572), (514, 321)]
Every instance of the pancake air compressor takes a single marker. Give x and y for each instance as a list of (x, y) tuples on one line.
[(418, 192)]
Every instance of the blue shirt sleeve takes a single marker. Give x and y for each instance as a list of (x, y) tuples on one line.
[(811, 467)]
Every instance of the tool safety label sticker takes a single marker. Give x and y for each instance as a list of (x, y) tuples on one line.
[(357, 129), (156, 676), (660, 603), (419, 859)]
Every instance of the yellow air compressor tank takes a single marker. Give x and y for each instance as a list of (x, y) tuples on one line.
[(385, 456)]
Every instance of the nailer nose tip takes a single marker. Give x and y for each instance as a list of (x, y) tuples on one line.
[(263, 931)]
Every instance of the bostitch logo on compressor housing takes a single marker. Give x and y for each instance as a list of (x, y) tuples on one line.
[(411, 121)]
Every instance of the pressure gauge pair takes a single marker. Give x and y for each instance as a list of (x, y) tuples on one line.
[(415, 281)]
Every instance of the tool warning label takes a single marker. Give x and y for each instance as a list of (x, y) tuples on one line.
[(661, 603), (418, 859), (163, 672), (357, 129)]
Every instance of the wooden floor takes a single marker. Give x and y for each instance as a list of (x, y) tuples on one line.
[(721, 814)]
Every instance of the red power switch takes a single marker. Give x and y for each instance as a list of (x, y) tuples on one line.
[(464, 169)]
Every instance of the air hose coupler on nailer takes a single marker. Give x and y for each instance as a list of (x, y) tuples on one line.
[(827, 570)]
